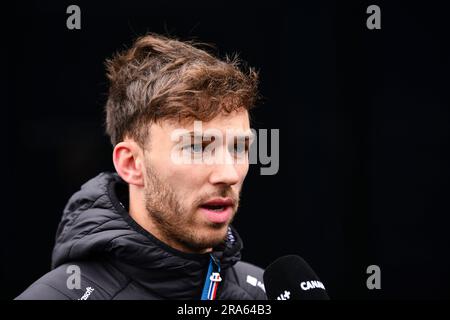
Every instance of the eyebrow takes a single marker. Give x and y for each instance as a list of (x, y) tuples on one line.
[(248, 134), (248, 137)]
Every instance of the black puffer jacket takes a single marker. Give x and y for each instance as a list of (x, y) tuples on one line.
[(118, 259)]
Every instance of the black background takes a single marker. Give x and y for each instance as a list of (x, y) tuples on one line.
[(364, 131)]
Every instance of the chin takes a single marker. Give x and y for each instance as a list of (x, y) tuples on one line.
[(212, 236)]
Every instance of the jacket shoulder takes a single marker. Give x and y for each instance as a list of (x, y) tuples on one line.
[(77, 281), (250, 278)]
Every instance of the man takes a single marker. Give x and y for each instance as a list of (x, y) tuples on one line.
[(160, 228)]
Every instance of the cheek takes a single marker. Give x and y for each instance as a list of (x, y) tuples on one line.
[(185, 179), (243, 170)]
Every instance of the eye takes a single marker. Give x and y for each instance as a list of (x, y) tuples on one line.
[(240, 148), (196, 148)]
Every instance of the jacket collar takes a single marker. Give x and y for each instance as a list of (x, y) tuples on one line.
[(95, 223)]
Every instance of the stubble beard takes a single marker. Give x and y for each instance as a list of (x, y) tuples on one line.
[(175, 222)]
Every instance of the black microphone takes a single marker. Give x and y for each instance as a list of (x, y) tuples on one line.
[(291, 278)]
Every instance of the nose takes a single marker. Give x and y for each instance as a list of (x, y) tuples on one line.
[(225, 172)]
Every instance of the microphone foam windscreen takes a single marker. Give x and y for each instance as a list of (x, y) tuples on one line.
[(291, 278)]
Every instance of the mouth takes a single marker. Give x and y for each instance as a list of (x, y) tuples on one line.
[(218, 204), (218, 210)]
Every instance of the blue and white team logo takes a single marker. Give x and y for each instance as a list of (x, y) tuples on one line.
[(215, 277)]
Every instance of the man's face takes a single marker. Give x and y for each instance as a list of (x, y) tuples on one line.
[(192, 204)]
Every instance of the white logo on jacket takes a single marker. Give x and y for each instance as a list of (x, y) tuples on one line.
[(88, 292), (255, 282)]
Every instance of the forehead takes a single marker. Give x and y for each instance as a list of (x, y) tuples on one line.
[(237, 121)]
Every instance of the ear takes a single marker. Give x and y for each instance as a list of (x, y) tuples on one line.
[(128, 161)]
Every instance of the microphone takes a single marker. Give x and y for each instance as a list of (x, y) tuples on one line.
[(291, 278)]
